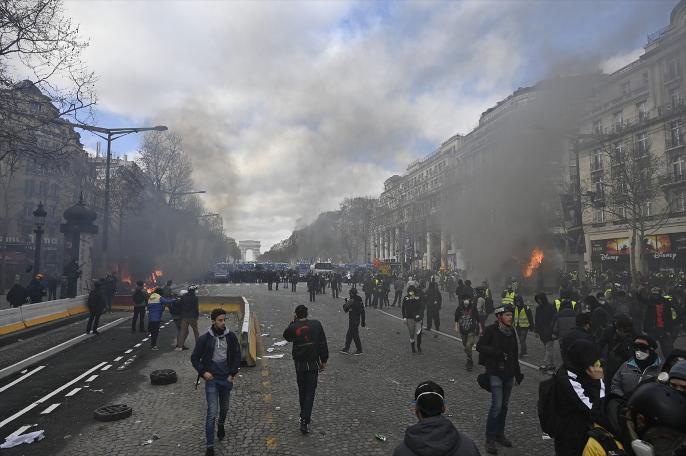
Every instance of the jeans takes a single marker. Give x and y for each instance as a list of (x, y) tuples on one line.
[(293, 284), (398, 297), (468, 341), (548, 360), (185, 323), (177, 323), (367, 299), (93, 321), (521, 335), (500, 397), (138, 312), (307, 385), (334, 291), (312, 294), (414, 327), (217, 393), (353, 335), (154, 328)]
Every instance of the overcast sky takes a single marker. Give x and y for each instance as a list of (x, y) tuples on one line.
[(285, 108)]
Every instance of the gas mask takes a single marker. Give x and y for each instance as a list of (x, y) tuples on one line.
[(641, 351)]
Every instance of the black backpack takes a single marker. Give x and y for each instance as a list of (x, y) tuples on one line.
[(607, 441), (547, 415)]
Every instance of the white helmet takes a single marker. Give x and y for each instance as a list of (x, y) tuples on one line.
[(183, 292)]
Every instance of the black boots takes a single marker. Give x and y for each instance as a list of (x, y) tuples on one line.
[(419, 343), (221, 432), (413, 349), (303, 427)]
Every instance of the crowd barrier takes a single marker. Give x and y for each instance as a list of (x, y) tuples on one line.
[(30, 315)]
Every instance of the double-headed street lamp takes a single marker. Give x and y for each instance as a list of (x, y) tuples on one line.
[(39, 216)]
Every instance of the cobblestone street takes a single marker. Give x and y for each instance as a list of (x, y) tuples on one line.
[(357, 397)]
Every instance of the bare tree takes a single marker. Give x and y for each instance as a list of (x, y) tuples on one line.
[(165, 163)]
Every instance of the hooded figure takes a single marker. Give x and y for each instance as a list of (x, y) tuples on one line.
[(643, 365)]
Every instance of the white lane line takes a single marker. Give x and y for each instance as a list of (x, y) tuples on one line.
[(72, 392), (91, 378), (137, 345), (118, 358), (106, 367), (128, 351), (56, 347), (50, 409), (23, 377), (21, 430), (450, 336), (49, 395), (146, 339)]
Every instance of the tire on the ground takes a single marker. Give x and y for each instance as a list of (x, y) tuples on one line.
[(163, 377), (112, 412)]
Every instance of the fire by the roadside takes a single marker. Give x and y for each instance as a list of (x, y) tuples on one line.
[(534, 262), (152, 280)]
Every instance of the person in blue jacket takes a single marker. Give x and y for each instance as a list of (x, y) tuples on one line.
[(217, 358), (155, 309)]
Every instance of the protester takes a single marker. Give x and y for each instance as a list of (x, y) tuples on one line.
[(96, 306), (217, 359), (35, 289), (433, 301), (413, 312), (155, 310), (354, 307), (581, 330), (523, 319), (310, 354), (190, 312), (17, 295), (544, 319), (467, 323), (139, 298), (434, 434), (643, 365)]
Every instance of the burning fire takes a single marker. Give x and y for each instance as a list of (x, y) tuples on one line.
[(152, 280), (534, 262)]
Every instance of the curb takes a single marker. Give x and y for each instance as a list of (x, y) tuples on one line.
[(38, 357), (13, 337)]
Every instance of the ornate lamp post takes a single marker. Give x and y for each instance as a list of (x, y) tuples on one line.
[(39, 216)]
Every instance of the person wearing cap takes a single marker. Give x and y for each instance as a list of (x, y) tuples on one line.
[(498, 352), (579, 394), (354, 307), (190, 311), (677, 377), (35, 289), (412, 310), (433, 434), (644, 364), (310, 354)]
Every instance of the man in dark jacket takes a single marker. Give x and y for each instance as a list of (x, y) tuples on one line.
[(190, 312), (434, 434), (545, 316), (413, 313), (16, 295), (498, 351), (310, 354), (312, 286), (469, 327), (617, 342), (658, 322), (522, 322), (433, 301), (355, 309), (139, 298), (217, 358), (35, 289), (96, 306), (581, 330)]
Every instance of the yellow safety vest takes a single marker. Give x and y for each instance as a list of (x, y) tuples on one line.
[(521, 320), (674, 313), (509, 298), (558, 302)]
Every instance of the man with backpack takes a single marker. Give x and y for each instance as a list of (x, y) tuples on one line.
[(412, 310), (467, 324)]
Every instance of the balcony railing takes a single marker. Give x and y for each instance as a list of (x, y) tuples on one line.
[(672, 141), (673, 179)]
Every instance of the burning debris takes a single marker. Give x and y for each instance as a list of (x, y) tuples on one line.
[(535, 261)]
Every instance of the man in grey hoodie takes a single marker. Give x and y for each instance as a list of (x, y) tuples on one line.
[(434, 434)]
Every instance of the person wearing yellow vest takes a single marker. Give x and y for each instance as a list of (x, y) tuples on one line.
[(523, 320)]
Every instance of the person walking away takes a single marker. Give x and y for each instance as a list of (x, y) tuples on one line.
[(35, 290), (564, 321), (398, 287), (109, 290), (294, 281), (413, 312), (543, 326), (312, 284), (155, 309), (643, 365), (481, 309), (450, 285), (310, 354), (52, 283), (334, 286), (276, 279), (139, 298), (368, 290), (579, 395), (354, 307), (523, 319), (96, 305), (581, 330), (658, 321), (190, 312), (175, 311), (17, 295), (217, 359), (433, 306), (498, 352), (433, 434), (467, 324)]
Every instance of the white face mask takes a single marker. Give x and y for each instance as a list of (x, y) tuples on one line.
[(641, 355)]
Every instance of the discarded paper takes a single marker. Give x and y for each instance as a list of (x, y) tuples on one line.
[(280, 355), (16, 440)]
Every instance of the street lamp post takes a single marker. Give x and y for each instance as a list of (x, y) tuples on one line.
[(39, 216)]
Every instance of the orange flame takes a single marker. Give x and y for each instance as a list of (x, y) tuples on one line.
[(534, 262), (152, 280)]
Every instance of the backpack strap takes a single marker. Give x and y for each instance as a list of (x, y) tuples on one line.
[(607, 441)]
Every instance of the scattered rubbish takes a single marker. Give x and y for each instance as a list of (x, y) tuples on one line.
[(397, 332), (452, 380), (20, 340), (265, 335), (24, 371), (68, 436), (137, 421), (155, 436), (16, 440), (380, 437), (450, 415), (97, 391), (280, 343), (277, 408), (270, 349), (259, 357), (274, 356), (147, 442), (521, 413), (545, 436)]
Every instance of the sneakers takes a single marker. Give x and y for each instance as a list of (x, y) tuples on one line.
[(491, 448), (504, 441), (221, 433), (303, 427), (178, 349), (357, 353), (210, 451), (344, 351), (154, 347)]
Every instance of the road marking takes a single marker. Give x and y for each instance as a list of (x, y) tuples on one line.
[(128, 351), (21, 430), (106, 367), (23, 377), (72, 392), (91, 378), (49, 395), (450, 336), (137, 345), (146, 339), (50, 409), (118, 358)]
